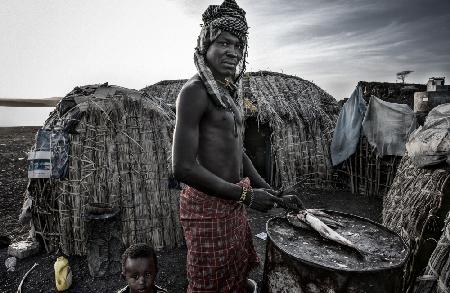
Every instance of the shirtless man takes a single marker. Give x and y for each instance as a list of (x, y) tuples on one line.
[(208, 157)]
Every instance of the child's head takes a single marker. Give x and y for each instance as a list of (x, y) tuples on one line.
[(139, 268)]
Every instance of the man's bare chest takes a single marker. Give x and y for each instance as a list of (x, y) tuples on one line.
[(227, 120)]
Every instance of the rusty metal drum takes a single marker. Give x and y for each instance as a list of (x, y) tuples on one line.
[(300, 260)]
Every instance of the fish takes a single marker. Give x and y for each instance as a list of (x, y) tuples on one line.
[(293, 205), (296, 222), (325, 218), (326, 232)]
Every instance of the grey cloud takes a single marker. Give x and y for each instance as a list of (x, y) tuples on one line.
[(331, 40), (363, 17)]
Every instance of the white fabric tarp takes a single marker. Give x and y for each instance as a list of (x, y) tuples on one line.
[(348, 128), (387, 126), (430, 144)]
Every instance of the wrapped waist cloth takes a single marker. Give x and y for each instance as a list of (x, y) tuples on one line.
[(219, 242)]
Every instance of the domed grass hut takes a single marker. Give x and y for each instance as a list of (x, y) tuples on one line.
[(416, 207), (295, 119), (111, 145), (436, 277), (288, 126)]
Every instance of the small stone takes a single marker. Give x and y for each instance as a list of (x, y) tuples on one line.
[(10, 264), (23, 249)]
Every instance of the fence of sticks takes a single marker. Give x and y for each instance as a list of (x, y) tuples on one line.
[(120, 148), (415, 207), (368, 174)]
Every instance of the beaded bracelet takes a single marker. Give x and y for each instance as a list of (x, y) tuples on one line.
[(251, 197), (243, 194)]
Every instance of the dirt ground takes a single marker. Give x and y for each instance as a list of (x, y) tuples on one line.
[(15, 142)]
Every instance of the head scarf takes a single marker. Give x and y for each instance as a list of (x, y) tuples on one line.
[(218, 18)]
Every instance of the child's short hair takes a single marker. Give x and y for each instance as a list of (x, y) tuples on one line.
[(139, 250)]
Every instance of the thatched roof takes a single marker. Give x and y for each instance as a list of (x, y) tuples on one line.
[(165, 90), (414, 207), (119, 153), (279, 97)]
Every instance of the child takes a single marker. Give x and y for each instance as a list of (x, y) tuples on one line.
[(139, 269)]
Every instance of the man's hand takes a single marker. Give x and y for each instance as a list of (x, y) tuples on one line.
[(291, 202), (262, 200)]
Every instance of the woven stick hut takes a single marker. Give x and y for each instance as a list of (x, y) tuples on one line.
[(289, 125), (436, 278), (415, 207), (299, 119), (119, 153)]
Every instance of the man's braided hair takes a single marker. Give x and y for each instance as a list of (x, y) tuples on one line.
[(217, 18)]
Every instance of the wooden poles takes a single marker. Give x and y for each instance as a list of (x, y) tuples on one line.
[(369, 174)]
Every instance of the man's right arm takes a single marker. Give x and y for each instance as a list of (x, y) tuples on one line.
[(192, 104)]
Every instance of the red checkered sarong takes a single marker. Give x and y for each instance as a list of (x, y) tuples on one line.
[(219, 242)]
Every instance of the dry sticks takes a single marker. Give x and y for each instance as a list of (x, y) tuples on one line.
[(369, 174), (19, 289)]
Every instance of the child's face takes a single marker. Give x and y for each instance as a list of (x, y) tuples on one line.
[(140, 274)]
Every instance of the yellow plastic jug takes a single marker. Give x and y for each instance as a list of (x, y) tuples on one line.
[(63, 274)]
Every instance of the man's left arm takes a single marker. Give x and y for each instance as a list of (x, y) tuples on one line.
[(249, 171)]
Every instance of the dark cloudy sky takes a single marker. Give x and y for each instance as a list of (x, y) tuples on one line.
[(47, 47), (337, 43)]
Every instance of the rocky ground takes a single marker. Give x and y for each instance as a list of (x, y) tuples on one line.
[(15, 142)]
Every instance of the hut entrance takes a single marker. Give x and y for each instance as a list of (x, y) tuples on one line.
[(258, 147)]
